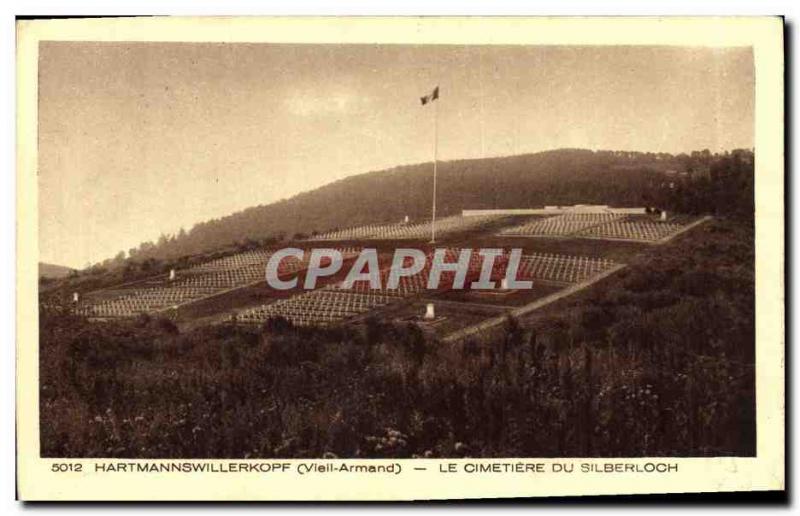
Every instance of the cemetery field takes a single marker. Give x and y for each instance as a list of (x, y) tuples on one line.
[(559, 253), (140, 388), (331, 304), (618, 251)]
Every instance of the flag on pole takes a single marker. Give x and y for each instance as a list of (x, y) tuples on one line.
[(430, 98), (424, 100)]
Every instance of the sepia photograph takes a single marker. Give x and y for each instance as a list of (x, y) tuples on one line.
[(331, 251)]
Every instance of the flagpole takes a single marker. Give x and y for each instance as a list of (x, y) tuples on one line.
[(435, 159)]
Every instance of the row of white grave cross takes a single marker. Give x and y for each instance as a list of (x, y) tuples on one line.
[(598, 225), (342, 300), (405, 231)]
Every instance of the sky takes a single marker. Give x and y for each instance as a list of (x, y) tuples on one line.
[(140, 139)]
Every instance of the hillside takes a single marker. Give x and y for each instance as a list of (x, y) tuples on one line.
[(49, 270), (659, 362), (679, 182)]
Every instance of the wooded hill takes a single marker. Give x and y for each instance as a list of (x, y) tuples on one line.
[(49, 270), (696, 183)]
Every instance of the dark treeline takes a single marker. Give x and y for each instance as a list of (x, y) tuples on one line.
[(660, 362), (700, 182)]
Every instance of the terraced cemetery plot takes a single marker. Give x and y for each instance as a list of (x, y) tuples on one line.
[(356, 233), (235, 284), (196, 283), (236, 261), (145, 300), (328, 307), (317, 308), (333, 303), (414, 284), (401, 231), (562, 268), (560, 225), (612, 226), (640, 230), (337, 302)]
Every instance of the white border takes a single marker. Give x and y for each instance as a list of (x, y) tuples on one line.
[(297, 7)]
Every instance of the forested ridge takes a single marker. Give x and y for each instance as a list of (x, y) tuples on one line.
[(700, 182)]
